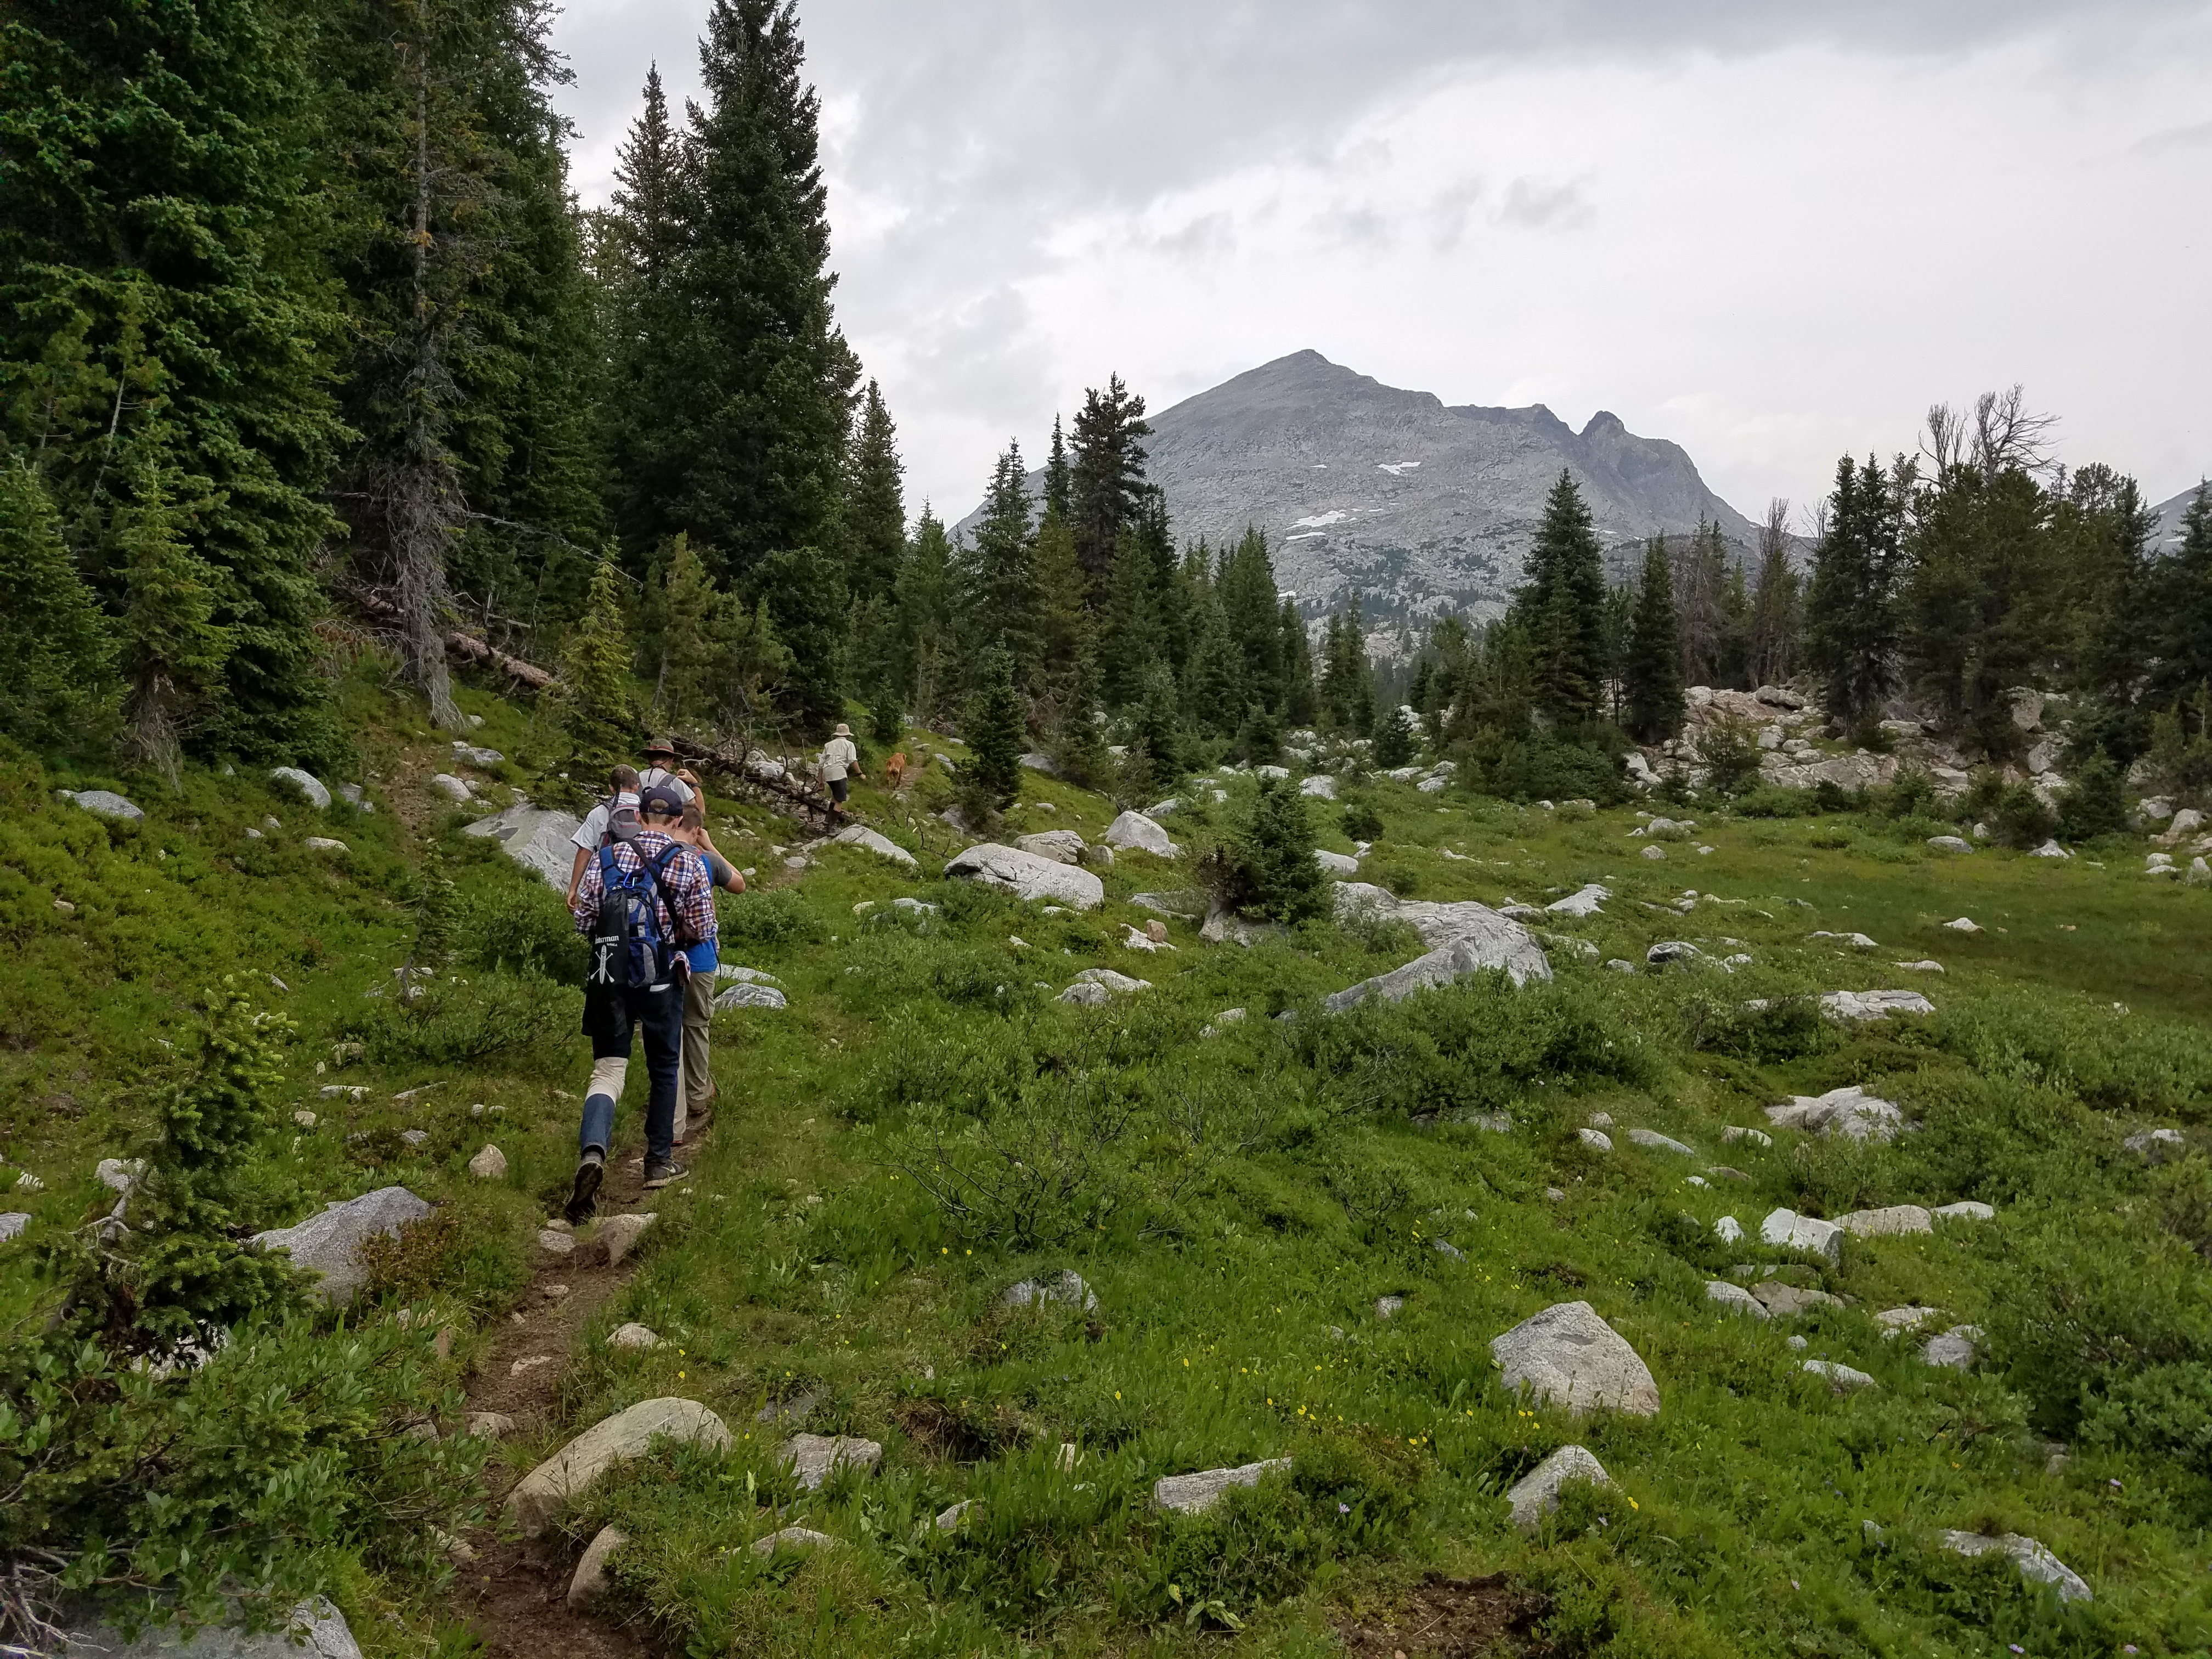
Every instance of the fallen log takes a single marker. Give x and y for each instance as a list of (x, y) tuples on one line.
[(467, 646)]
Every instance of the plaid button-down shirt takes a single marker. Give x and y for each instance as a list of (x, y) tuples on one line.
[(683, 881)]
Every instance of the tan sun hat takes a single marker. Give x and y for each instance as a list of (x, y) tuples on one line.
[(842, 730), (661, 747)]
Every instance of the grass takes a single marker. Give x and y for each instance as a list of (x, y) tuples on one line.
[(924, 1125)]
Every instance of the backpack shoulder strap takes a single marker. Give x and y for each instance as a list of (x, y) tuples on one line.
[(655, 868)]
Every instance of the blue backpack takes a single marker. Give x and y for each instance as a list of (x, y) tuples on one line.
[(628, 946)]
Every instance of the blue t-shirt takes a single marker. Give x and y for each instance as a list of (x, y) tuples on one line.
[(704, 956)]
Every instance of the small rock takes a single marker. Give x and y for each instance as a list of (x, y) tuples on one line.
[(1065, 1286), (2149, 1142), (617, 1235), (1757, 1137), (1336, 864), (542, 1494), (746, 994), (1556, 1194), (948, 1520), (1962, 924), (1445, 1247), (1964, 1210), (12, 1224), (414, 1139), (1786, 1230), (1652, 1141), (1728, 1230), (632, 1336), (453, 789), (1894, 1320), (119, 1175), (1924, 966), (1950, 843), (813, 1458), (1567, 1356), (1673, 951), (1389, 1307), (589, 1583), (1787, 1301), (1134, 832), (2050, 849), (102, 803), (523, 1367), (794, 1538), (489, 1164), (1735, 1297), (1954, 1350), (556, 1243), (1620, 965), (325, 844), (1841, 1378), (1601, 1120), (306, 784), (1799, 1343), (1849, 1111), (1655, 854), (2037, 1564), (1536, 1494), (1194, 1494), (1854, 1005), (1596, 1137)]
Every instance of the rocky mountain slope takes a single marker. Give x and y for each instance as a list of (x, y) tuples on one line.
[(1418, 506)]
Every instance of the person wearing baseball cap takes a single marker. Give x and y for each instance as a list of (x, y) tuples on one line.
[(642, 903)]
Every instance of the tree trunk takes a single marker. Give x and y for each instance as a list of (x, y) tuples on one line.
[(421, 512)]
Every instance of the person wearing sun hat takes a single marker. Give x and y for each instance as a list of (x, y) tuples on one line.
[(840, 759), (660, 767)]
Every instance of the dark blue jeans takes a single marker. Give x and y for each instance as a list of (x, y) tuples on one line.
[(612, 1015)]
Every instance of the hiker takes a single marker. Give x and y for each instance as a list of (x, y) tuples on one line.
[(642, 903), (839, 758), (660, 767), (614, 818), (695, 1106)]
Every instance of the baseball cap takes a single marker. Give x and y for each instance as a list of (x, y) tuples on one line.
[(660, 802)]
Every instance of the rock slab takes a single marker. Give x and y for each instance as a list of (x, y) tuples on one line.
[(570, 1472), (1847, 1111), (1194, 1494), (1567, 1356), (328, 1244), (1787, 1231), (1893, 1222), (535, 838), (1735, 1298), (1133, 832), (317, 1630), (589, 1582), (859, 835), (2036, 1563), (1027, 876)]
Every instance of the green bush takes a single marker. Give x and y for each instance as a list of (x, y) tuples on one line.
[(452, 1021), (1729, 753), (2094, 802), (1361, 821), (1781, 1028), (775, 916), (1265, 868), (524, 928)]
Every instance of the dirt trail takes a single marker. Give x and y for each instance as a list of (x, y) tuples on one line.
[(515, 1594)]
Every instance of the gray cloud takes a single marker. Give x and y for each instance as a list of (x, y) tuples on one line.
[(1027, 196)]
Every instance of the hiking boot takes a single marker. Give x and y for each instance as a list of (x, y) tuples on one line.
[(659, 1175), (583, 1198), (701, 1120)]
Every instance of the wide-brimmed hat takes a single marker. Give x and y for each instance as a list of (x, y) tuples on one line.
[(842, 730), (661, 746)]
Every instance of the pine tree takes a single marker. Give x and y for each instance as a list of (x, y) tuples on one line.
[(598, 704), (996, 728), (875, 506), (1775, 603), (750, 667), (1249, 602), (1299, 709), (1850, 607), (52, 637), (1059, 480), (1076, 744), (160, 297), (679, 653), (1129, 633), (762, 416), (451, 177), (2100, 534), (1395, 740), (1651, 673), (804, 594), (925, 599), (1156, 758), (1001, 600), (1347, 684), (1214, 687), (1064, 624), (1106, 475), (1562, 607), (2182, 583), (648, 325), (1267, 869), (170, 647)]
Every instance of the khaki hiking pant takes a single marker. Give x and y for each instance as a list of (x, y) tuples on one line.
[(698, 1086)]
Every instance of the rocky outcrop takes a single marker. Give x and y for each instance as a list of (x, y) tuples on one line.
[(329, 1245), (534, 838), (1194, 1494), (2037, 1564), (1464, 939), (1028, 876), (1536, 1494), (1849, 1111), (859, 835)]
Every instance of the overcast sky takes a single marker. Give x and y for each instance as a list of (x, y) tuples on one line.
[(1771, 230)]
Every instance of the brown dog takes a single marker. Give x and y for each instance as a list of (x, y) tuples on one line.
[(894, 770)]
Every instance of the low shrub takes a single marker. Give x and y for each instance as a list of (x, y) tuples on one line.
[(777, 915), (452, 1021)]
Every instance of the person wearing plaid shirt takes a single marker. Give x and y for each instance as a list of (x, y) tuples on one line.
[(613, 1014)]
